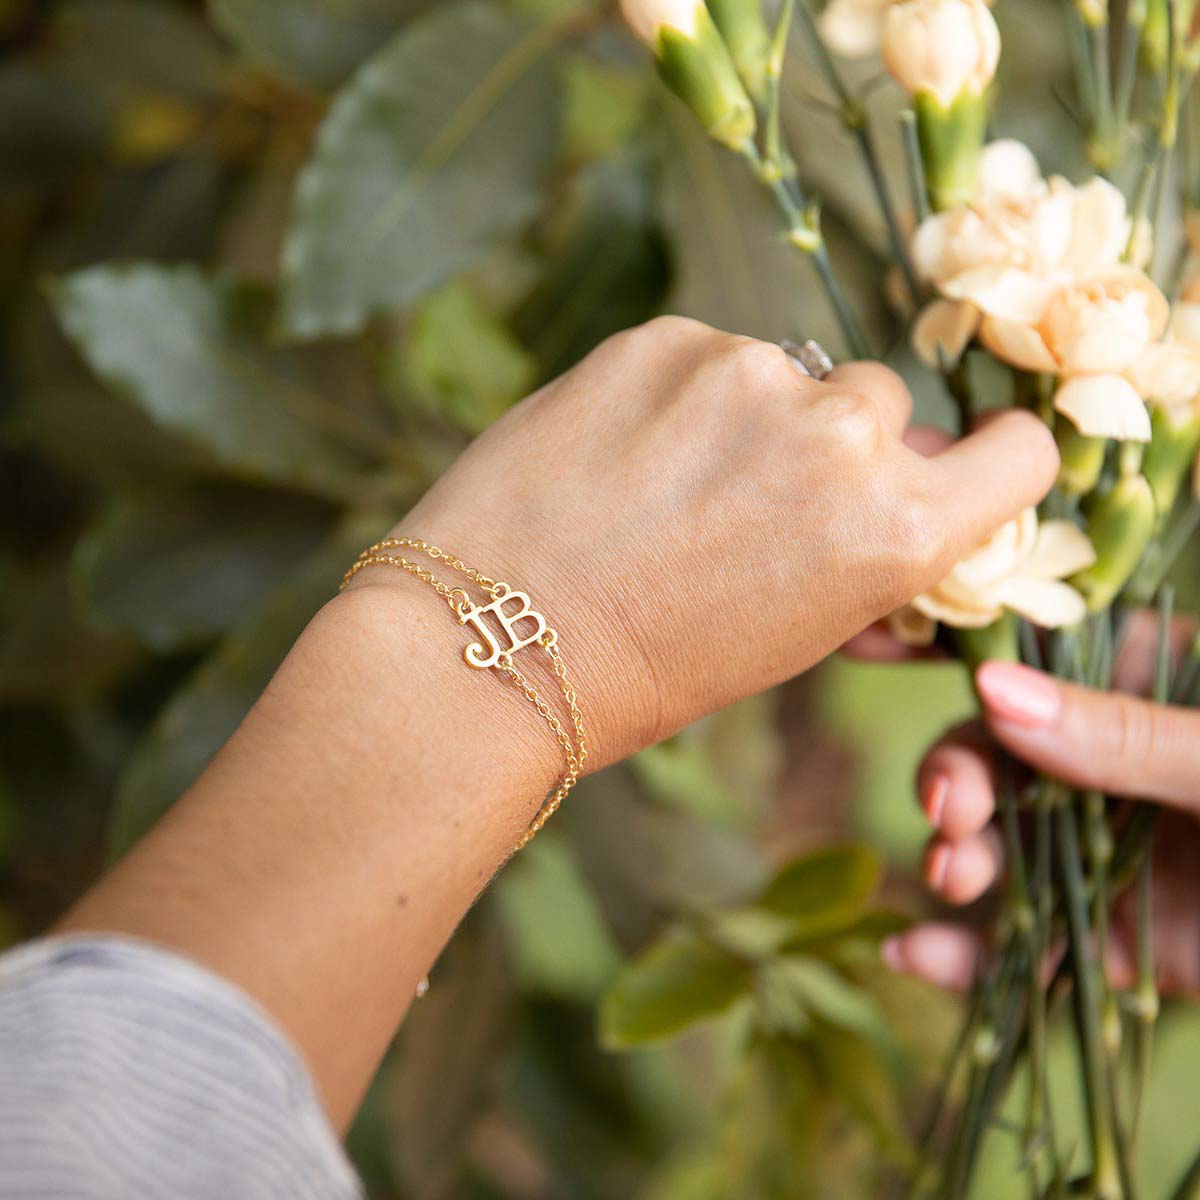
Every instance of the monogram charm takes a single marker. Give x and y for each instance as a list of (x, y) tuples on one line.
[(487, 652)]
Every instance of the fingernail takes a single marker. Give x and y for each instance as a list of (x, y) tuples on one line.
[(891, 954), (1018, 694), (936, 867), (933, 799)]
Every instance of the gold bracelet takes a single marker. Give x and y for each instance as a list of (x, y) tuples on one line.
[(488, 653)]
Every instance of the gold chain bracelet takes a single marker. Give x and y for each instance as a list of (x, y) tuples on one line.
[(489, 653)]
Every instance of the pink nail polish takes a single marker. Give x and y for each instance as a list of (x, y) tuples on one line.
[(1018, 694), (933, 799), (936, 867), (891, 954)]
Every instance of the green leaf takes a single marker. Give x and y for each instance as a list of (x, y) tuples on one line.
[(854, 1069), (315, 43), (825, 890), (201, 716), (606, 264), (178, 567), (559, 940), (463, 361), (680, 980), (826, 994), (420, 167), (173, 341)]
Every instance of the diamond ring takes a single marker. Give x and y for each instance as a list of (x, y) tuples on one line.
[(808, 357)]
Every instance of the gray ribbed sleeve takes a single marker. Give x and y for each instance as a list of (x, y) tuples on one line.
[(128, 1071)]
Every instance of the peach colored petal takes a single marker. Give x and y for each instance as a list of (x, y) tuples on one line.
[(1099, 227), (1018, 344), (1185, 323), (1061, 550), (939, 607), (944, 326), (1002, 291), (1167, 372), (992, 559), (1045, 602), (911, 627), (930, 245), (852, 28), (1007, 168), (1104, 406)]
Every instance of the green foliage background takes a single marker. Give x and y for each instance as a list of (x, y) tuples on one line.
[(265, 268)]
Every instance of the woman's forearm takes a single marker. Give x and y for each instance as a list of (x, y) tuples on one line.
[(326, 854)]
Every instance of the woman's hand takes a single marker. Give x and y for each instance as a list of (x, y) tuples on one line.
[(699, 521), (695, 519), (1115, 742)]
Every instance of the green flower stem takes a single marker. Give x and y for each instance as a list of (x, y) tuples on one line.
[(952, 1068), (1146, 1002), (772, 138), (1104, 146), (995, 1046), (1105, 1180), (804, 232), (1145, 999), (854, 118), (1026, 924), (1161, 555), (999, 640), (1127, 64), (1139, 210), (914, 166)]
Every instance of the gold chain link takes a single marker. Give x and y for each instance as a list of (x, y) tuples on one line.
[(575, 750)]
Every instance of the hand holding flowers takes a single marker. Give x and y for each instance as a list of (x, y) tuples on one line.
[(1052, 281)]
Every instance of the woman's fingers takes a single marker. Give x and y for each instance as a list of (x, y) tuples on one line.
[(973, 488), (941, 954), (882, 385), (956, 783), (960, 872), (1107, 740)]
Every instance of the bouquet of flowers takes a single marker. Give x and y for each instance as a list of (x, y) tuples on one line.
[(1086, 301)]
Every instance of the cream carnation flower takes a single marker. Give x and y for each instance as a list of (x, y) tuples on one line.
[(1021, 567), (1009, 251), (1090, 332)]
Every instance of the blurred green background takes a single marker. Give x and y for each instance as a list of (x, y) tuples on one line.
[(266, 267)]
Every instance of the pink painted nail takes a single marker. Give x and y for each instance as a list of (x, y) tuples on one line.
[(1018, 694), (891, 953), (933, 800), (937, 866)]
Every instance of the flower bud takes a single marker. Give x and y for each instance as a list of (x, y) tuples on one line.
[(1120, 525), (742, 26), (944, 53), (941, 48), (1081, 458), (695, 64), (1174, 438)]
